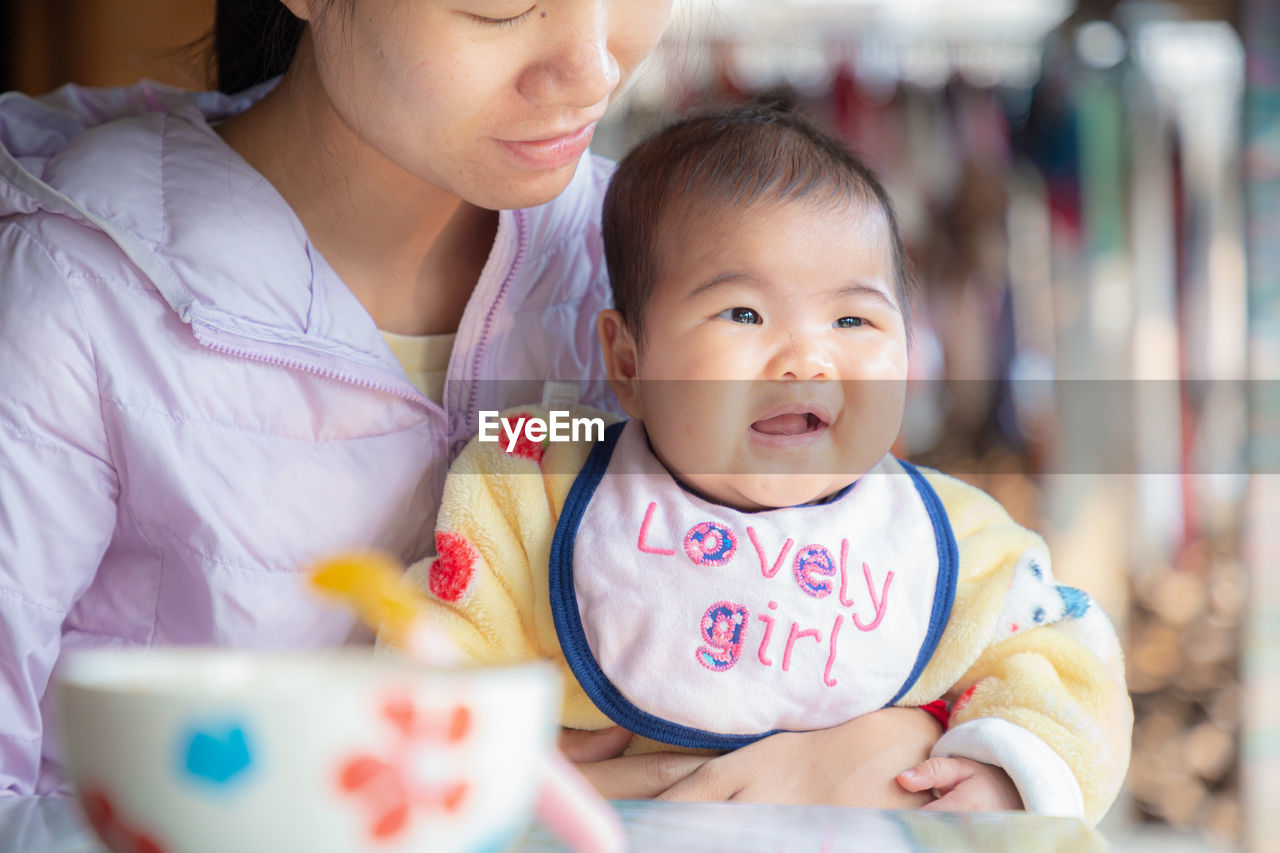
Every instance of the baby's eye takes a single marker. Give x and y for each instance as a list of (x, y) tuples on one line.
[(850, 322), (746, 316)]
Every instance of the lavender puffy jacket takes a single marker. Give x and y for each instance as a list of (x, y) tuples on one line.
[(193, 406)]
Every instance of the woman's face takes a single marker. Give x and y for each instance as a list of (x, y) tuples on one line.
[(493, 101)]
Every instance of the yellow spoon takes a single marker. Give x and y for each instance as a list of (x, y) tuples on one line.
[(372, 583)]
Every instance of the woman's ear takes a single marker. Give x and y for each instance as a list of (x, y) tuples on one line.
[(620, 361), (300, 8)]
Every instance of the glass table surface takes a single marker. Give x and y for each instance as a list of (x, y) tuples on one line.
[(55, 825)]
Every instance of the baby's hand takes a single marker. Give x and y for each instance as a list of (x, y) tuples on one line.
[(963, 785)]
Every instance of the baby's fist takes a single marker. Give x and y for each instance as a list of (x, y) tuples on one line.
[(963, 785)]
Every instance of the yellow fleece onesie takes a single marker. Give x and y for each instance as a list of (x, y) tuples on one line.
[(1047, 702)]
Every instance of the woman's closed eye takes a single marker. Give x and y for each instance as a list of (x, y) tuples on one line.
[(500, 22), (746, 316), (850, 322)]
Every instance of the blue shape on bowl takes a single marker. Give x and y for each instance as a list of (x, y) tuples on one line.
[(218, 755)]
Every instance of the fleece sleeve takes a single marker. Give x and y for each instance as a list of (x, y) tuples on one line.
[(57, 487), (487, 585), (1033, 667)]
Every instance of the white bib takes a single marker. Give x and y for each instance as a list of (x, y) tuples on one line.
[(704, 626)]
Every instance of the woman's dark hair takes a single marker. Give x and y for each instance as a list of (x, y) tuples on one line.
[(253, 41)]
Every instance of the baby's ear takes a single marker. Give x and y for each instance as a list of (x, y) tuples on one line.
[(621, 360)]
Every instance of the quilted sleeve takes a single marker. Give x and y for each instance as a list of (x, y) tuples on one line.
[(57, 487)]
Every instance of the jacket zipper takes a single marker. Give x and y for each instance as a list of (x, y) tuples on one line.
[(213, 334), (487, 328), (213, 343)]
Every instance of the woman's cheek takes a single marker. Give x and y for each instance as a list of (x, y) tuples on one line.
[(638, 27)]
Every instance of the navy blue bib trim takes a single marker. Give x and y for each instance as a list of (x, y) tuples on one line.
[(601, 691), (944, 594)]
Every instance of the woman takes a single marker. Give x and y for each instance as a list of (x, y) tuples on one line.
[(206, 303)]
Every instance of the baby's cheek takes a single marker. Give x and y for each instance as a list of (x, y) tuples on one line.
[(873, 409), (699, 435), (881, 358)]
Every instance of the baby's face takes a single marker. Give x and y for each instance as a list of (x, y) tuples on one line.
[(775, 353)]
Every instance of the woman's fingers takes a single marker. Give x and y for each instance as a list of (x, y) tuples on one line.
[(580, 746), (640, 777), (710, 783), (942, 774), (598, 756)]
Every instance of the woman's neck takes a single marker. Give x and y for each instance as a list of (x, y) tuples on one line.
[(409, 251)]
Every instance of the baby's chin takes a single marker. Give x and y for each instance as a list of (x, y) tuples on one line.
[(755, 492)]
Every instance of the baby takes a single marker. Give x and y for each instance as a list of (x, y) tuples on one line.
[(744, 555)]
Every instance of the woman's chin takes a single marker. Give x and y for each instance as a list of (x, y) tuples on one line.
[(515, 189)]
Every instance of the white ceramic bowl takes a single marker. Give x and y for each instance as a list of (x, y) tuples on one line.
[(184, 750)]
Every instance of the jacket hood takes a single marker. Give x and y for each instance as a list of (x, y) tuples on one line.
[(143, 165), (34, 131)]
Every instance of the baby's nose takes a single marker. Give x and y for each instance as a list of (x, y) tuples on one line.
[(801, 357)]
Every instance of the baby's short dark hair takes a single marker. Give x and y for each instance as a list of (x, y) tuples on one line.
[(728, 159)]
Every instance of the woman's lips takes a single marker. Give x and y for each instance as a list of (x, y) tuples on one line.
[(550, 153)]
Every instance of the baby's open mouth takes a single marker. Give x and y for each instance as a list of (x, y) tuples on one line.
[(792, 423)]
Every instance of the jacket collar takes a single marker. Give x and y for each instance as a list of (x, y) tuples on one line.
[(221, 246)]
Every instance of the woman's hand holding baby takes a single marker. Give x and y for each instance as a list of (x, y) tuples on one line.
[(846, 765), (963, 785), (853, 764)]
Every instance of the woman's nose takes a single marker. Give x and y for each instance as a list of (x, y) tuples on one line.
[(578, 69)]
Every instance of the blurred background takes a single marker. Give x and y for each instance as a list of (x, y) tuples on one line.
[(1090, 193)]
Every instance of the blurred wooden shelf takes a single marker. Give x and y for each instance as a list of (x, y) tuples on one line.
[(103, 42)]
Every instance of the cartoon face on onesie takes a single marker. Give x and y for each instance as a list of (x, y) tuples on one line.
[(772, 365)]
